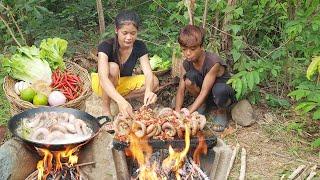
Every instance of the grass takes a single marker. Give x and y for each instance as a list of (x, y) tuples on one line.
[(4, 104)]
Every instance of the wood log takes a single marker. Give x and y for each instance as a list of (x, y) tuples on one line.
[(243, 164), (296, 172), (312, 173), (233, 157)]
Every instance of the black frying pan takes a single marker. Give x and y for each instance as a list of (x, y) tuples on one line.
[(92, 122)]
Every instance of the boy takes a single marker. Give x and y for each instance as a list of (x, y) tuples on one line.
[(204, 76)]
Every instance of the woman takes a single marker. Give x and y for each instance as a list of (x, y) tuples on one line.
[(116, 59)]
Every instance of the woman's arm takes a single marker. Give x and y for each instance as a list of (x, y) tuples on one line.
[(149, 96), (146, 68), (207, 85), (108, 87)]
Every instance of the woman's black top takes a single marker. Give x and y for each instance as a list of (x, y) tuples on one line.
[(126, 69)]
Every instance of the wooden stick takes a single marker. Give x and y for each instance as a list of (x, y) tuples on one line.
[(85, 164), (204, 19), (312, 173), (233, 157), (100, 17), (196, 167), (190, 9), (243, 164), (33, 175), (296, 172)]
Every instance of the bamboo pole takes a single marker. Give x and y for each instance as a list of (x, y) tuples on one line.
[(204, 19)]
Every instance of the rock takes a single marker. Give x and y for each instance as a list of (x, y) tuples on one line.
[(242, 113), (109, 163), (17, 162)]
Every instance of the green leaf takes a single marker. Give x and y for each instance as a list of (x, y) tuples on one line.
[(298, 94), (238, 89), (316, 114), (256, 77), (313, 67), (309, 107), (244, 84), (274, 72), (236, 55), (250, 80), (235, 28), (239, 11)]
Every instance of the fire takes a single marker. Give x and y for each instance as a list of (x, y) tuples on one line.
[(141, 151), (45, 166), (176, 159), (202, 148)]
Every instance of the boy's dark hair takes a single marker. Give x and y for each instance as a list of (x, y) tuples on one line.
[(190, 36)]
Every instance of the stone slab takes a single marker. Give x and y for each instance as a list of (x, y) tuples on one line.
[(17, 162)]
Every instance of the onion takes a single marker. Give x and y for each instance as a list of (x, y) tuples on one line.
[(56, 98)]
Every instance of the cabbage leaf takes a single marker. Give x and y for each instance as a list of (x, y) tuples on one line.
[(52, 50), (27, 66)]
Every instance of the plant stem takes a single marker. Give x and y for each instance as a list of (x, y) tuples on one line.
[(10, 31)]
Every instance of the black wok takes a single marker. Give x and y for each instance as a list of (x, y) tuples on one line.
[(92, 122)]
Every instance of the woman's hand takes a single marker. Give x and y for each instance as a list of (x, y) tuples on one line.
[(149, 98), (125, 108)]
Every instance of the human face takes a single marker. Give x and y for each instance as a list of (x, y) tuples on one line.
[(127, 34), (192, 53)]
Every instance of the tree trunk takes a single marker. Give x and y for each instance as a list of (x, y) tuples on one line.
[(226, 40), (101, 17)]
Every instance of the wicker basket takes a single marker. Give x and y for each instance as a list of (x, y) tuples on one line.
[(17, 105)]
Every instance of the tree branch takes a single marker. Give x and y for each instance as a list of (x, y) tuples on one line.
[(10, 31), (15, 22)]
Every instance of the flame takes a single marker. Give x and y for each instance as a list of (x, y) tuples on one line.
[(45, 165), (176, 159), (141, 151), (202, 148)]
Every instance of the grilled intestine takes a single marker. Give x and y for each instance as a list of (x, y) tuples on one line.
[(54, 128), (164, 124)]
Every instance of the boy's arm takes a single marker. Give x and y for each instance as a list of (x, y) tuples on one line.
[(181, 90), (207, 85)]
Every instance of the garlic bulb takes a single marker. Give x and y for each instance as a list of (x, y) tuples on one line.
[(19, 86)]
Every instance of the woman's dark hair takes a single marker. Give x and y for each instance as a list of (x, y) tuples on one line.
[(124, 18)]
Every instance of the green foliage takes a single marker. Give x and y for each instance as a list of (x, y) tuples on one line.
[(295, 126), (307, 95), (314, 67), (277, 102), (316, 143)]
